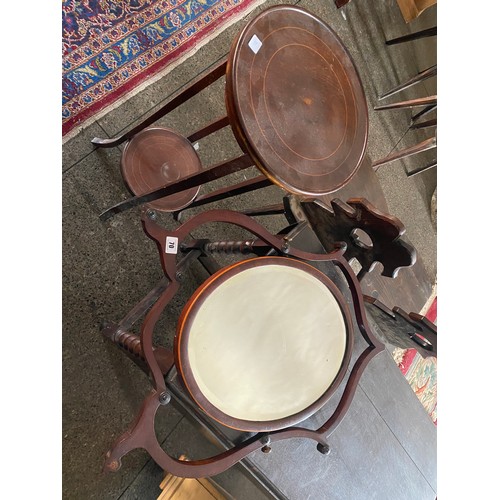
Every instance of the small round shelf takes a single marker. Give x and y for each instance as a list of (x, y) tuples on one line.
[(295, 101), (156, 157)]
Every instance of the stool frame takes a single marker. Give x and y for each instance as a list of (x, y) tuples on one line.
[(158, 361)]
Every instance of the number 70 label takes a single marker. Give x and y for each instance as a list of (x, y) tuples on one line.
[(171, 244)]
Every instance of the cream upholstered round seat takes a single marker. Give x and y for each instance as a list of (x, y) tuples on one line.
[(262, 341)]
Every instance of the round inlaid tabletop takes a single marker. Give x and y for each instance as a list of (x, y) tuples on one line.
[(155, 157), (295, 101)]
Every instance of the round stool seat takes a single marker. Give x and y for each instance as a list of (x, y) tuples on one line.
[(156, 157), (295, 101), (264, 343)]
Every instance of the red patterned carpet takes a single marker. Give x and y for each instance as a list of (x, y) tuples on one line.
[(421, 373), (111, 49)]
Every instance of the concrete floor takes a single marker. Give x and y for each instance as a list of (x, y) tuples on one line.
[(108, 267)]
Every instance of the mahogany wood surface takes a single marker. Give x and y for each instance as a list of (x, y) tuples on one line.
[(306, 124), (155, 157)]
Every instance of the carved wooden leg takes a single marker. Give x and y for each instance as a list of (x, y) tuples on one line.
[(128, 342), (131, 345)]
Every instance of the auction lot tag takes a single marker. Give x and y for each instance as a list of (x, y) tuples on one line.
[(171, 244)]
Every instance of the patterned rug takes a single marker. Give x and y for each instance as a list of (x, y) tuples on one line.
[(421, 373), (110, 50)]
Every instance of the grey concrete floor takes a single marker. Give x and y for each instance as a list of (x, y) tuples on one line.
[(108, 267)]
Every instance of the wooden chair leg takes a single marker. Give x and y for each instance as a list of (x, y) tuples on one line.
[(421, 114), (194, 88), (420, 77), (197, 179), (285, 208), (247, 186), (433, 164), (120, 335), (426, 124), (276, 209), (413, 36), (412, 103), (404, 153), (209, 129)]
